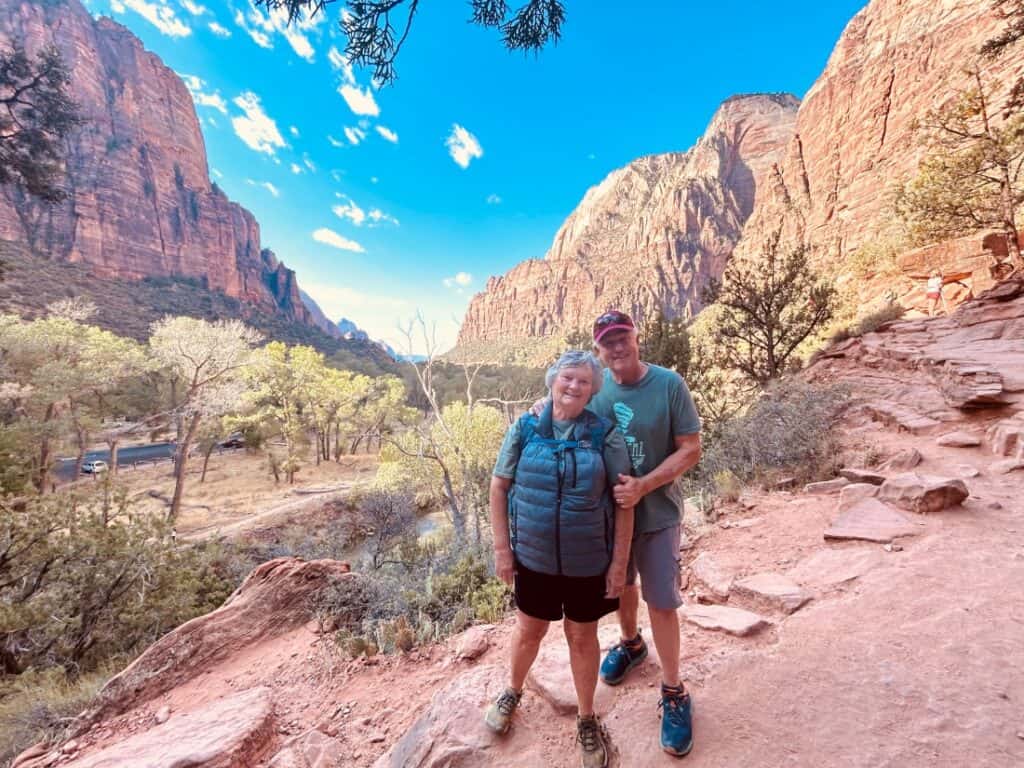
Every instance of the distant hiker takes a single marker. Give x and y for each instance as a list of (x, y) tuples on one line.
[(654, 412), (652, 408), (560, 539), (933, 293)]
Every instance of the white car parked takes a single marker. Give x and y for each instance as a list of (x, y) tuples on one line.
[(95, 467)]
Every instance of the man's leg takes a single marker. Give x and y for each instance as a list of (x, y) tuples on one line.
[(665, 628), (526, 641), (629, 604), (584, 657)]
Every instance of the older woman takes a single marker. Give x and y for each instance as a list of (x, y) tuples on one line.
[(560, 539)]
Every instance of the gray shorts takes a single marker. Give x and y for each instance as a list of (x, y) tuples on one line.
[(655, 556)]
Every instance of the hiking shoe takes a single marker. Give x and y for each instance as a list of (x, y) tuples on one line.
[(499, 714), (676, 722), (593, 740), (620, 659)]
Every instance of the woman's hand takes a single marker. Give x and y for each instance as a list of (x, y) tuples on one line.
[(504, 564), (615, 580)]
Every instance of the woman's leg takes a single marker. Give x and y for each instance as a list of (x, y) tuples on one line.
[(525, 644), (584, 658)]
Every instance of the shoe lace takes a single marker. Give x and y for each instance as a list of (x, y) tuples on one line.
[(588, 734), (672, 707), (507, 703)]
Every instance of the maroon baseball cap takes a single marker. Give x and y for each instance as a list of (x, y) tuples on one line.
[(612, 321)]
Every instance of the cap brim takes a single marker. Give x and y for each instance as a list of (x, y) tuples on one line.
[(618, 327)]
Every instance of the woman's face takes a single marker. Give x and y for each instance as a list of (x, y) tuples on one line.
[(572, 388)]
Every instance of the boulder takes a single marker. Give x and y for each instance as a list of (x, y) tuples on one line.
[(967, 471), (902, 460), (725, 618), (831, 567), (232, 732), (870, 520), (854, 492), (473, 643), (273, 600), (313, 749), (551, 677), (826, 486), (862, 476), (1007, 437), (772, 590), (710, 575), (959, 439), (1007, 466), (923, 493)]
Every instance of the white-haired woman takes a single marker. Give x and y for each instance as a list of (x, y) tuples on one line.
[(559, 539)]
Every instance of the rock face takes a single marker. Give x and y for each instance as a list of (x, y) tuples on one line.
[(646, 238), (855, 133), (140, 201)]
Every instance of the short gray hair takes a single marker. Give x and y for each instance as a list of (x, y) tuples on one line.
[(575, 358)]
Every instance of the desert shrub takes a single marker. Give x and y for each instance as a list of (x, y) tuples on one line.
[(788, 430), (869, 323)]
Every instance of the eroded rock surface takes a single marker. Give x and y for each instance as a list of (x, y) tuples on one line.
[(871, 520), (725, 618), (772, 590), (923, 493)]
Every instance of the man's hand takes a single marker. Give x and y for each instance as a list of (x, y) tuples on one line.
[(504, 564), (615, 580), (538, 408), (629, 491)]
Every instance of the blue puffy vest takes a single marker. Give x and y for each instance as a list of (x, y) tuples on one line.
[(560, 511)]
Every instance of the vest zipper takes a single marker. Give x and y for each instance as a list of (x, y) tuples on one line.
[(558, 514)]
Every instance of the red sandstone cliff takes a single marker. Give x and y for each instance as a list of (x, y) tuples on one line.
[(141, 202), (648, 236)]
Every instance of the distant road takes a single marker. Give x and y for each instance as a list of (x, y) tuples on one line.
[(65, 468)]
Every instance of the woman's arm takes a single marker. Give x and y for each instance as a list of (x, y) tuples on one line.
[(504, 562), (616, 578)]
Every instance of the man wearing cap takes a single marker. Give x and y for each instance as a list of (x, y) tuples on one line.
[(652, 408)]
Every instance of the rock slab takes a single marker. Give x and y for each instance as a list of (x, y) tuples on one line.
[(855, 475), (854, 492), (826, 486), (902, 460), (725, 618), (709, 573), (959, 439), (551, 677), (1007, 437), (313, 749), (923, 493), (831, 567), (870, 520), (773, 590)]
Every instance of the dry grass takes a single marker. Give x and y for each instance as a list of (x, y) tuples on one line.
[(238, 486)]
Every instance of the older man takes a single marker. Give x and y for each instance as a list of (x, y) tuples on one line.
[(653, 410)]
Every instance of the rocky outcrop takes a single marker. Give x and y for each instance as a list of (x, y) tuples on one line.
[(140, 201), (855, 134), (646, 238)]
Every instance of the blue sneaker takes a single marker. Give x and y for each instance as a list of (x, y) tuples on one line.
[(620, 659), (676, 722)]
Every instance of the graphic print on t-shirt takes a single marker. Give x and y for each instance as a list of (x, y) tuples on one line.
[(623, 418)]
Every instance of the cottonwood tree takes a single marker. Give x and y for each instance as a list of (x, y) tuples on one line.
[(36, 116), (970, 180), (768, 305), (205, 361), (376, 30)]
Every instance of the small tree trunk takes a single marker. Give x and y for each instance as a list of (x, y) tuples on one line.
[(113, 445), (180, 462), (206, 461)]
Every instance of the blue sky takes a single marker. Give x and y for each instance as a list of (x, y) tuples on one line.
[(407, 198)]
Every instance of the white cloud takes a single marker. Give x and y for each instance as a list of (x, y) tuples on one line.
[(341, 63), (334, 142), (296, 169), (201, 98), (377, 217), (294, 131), (349, 210), (217, 173), (117, 6), (493, 199), (306, 161), (266, 185), (219, 30), (337, 176), (359, 100), (388, 134), (463, 146), (262, 39), (354, 135), (194, 8), (374, 179), (211, 121), (261, 27), (460, 279), (257, 129), (158, 13), (333, 239)]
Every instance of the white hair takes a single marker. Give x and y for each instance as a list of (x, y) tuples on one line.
[(575, 358)]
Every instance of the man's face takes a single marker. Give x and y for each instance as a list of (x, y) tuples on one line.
[(619, 350)]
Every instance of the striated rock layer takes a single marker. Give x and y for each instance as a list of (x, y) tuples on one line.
[(649, 236), (141, 203), (855, 136)]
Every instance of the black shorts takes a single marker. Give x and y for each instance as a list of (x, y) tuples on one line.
[(545, 597)]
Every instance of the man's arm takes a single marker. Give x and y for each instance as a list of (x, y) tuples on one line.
[(504, 562), (630, 490)]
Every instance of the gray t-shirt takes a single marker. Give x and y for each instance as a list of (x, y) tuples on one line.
[(616, 458), (650, 414)]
